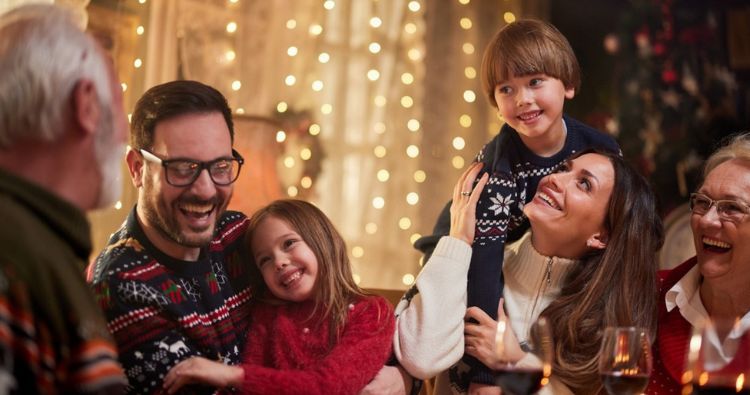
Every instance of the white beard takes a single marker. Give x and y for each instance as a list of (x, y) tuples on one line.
[(108, 158)]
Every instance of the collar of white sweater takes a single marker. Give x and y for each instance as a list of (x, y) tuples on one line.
[(532, 282), (528, 271)]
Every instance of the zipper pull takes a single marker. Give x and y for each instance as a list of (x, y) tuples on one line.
[(549, 272)]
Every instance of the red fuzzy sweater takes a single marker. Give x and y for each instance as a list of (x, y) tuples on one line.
[(288, 354)]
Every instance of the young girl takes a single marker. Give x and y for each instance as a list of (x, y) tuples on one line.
[(314, 330)]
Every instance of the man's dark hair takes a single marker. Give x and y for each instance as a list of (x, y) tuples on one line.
[(170, 100)]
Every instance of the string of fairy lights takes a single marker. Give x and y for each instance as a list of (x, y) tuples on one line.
[(294, 82), (413, 29), (137, 64), (310, 82)]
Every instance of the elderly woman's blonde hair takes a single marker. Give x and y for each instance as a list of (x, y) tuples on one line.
[(736, 147)]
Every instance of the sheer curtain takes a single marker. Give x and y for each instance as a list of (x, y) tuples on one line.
[(371, 108), (342, 63)]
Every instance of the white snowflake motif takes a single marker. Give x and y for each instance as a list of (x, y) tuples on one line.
[(522, 200), (191, 289), (218, 268), (138, 293), (501, 204), (135, 371)]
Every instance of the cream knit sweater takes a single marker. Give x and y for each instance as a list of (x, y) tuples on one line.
[(429, 332)]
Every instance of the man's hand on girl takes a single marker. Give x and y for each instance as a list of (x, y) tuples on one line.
[(198, 370)]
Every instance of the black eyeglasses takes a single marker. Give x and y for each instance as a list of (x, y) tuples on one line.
[(183, 172), (728, 210)]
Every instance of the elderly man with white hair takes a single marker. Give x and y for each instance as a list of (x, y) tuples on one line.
[(62, 135)]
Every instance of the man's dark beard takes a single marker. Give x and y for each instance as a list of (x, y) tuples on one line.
[(171, 230)]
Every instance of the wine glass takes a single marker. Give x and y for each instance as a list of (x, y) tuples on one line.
[(625, 360), (533, 374), (718, 359)]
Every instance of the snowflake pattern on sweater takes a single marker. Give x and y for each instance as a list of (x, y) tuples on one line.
[(161, 310)]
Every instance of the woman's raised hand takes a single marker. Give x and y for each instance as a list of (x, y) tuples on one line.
[(465, 198)]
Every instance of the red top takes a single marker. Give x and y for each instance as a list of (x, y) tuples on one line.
[(673, 337), (287, 353)]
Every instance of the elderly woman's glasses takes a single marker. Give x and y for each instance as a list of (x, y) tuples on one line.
[(183, 172), (728, 210)]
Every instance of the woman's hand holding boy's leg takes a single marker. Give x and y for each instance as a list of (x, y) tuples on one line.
[(480, 341)]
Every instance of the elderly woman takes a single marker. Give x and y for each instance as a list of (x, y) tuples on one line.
[(588, 262), (716, 282)]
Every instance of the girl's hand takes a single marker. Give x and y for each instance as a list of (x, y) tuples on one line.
[(483, 389), (202, 371), (392, 380), (465, 198), (480, 342)]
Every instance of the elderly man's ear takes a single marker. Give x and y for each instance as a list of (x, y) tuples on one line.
[(86, 106)]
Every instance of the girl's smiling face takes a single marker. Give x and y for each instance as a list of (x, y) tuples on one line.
[(288, 265)]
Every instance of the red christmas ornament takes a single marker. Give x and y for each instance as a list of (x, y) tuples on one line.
[(669, 76), (659, 49)]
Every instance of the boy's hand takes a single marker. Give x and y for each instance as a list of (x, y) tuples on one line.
[(202, 371)]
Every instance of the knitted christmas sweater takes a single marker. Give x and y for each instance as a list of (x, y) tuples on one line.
[(53, 337), (288, 351), (162, 310), (515, 172), (673, 338)]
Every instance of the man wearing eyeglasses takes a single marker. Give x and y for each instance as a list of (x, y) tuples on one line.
[(173, 281)]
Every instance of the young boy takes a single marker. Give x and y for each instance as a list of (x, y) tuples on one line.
[(528, 69)]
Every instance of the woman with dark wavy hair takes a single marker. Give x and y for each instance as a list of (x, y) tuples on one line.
[(588, 262)]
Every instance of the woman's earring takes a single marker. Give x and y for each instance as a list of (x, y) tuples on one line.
[(589, 243)]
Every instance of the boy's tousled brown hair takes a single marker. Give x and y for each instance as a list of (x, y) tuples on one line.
[(525, 47)]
